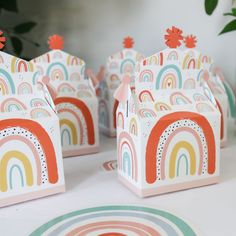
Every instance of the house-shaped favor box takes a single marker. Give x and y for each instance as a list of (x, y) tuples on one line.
[(117, 66), (74, 98), (30, 152), (228, 89), (217, 88), (168, 131)]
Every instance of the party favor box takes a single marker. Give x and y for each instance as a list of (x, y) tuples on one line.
[(168, 129), (231, 99), (30, 151), (215, 83), (74, 98), (117, 65)]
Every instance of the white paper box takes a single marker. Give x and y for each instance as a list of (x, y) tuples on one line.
[(168, 132), (30, 152), (75, 101), (117, 66), (220, 95)]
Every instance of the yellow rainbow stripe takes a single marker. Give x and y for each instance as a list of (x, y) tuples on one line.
[(3, 168), (174, 154), (72, 128)]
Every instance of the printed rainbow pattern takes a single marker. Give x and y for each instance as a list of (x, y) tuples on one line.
[(117, 221), (110, 165), (167, 133), (117, 66), (75, 101), (38, 168), (30, 165)]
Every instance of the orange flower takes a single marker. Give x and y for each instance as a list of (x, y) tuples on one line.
[(2, 40), (128, 42), (173, 37), (55, 42), (190, 41)]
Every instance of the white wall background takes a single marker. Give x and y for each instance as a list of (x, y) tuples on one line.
[(93, 29)]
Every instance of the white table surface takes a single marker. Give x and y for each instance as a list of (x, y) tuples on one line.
[(212, 209)]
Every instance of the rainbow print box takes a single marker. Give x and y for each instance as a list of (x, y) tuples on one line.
[(117, 66), (74, 98), (30, 151), (168, 131), (215, 83)]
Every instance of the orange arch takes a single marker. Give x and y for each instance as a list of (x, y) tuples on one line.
[(159, 128), (37, 130), (114, 112), (86, 113)]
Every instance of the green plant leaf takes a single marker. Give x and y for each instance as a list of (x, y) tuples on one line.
[(17, 45), (210, 6), (24, 27), (9, 5), (231, 26), (229, 14), (234, 11)]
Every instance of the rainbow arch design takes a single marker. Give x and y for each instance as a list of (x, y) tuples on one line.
[(80, 105), (120, 120), (25, 88), (110, 165), (169, 77), (46, 145), (39, 113), (204, 60), (173, 55), (189, 62), (84, 93), (156, 59), (198, 97), (189, 83), (71, 125), (204, 107), (116, 103), (161, 106), (74, 61), (127, 66), (146, 76), (103, 113), (20, 65), (109, 221), (127, 158), (200, 75), (70, 135), (36, 76), (114, 78), (146, 96), (3, 169), (12, 104), (57, 54), (57, 71), (145, 112), (133, 127), (6, 83), (159, 129), (38, 102), (178, 98), (75, 76), (174, 155), (65, 87)]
